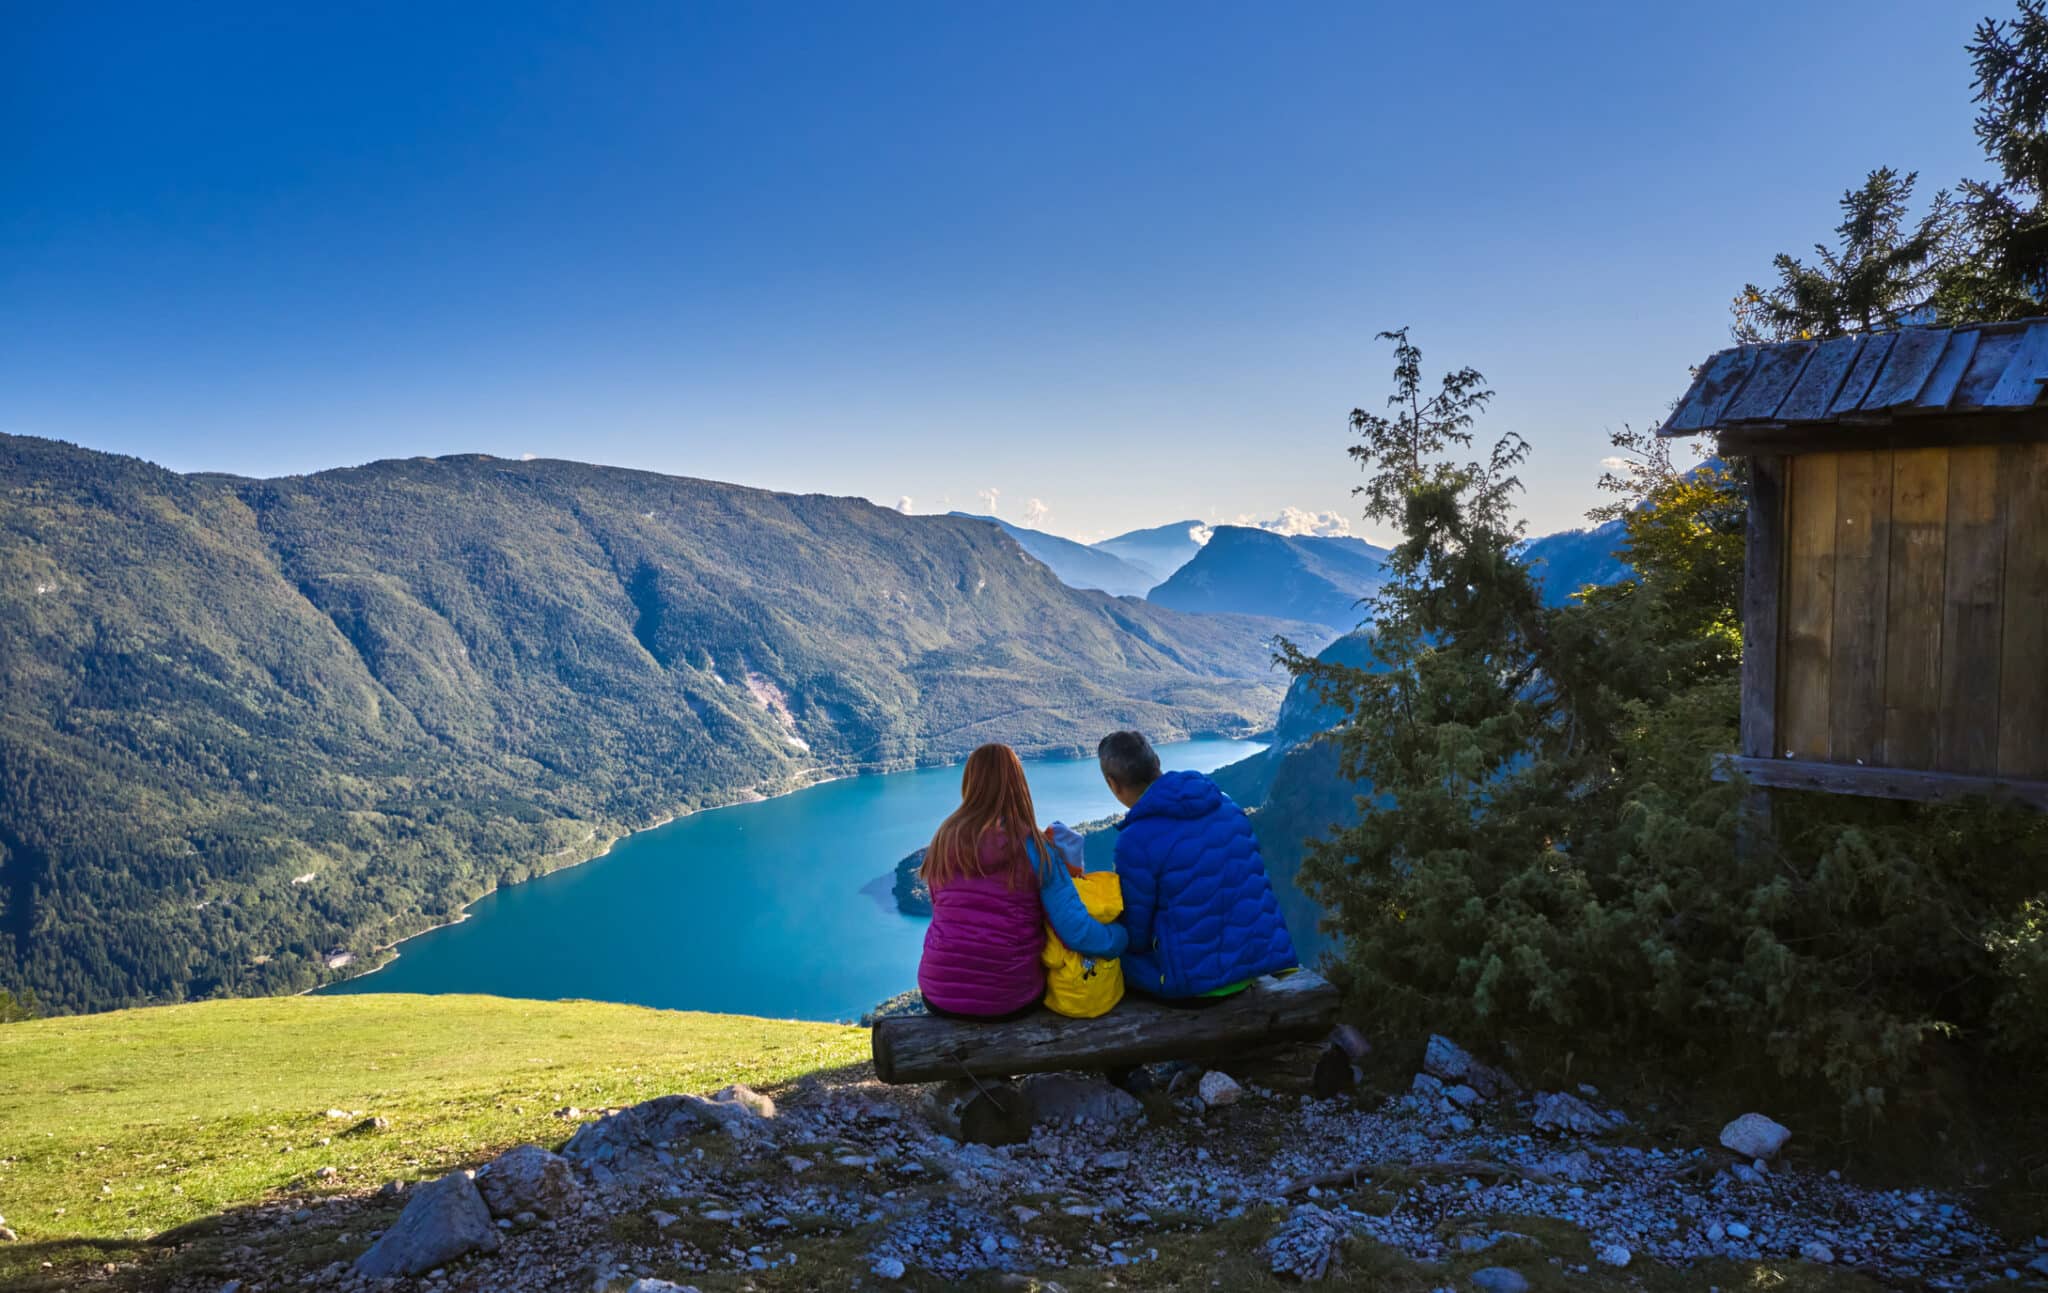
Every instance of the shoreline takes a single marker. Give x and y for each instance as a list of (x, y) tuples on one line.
[(750, 795)]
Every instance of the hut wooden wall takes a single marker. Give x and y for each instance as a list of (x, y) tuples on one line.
[(1915, 609)]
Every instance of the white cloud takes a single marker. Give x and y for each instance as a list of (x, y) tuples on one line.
[(903, 505), (528, 457), (1295, 520), (988, 498), (1035, 512), (1614, 462)]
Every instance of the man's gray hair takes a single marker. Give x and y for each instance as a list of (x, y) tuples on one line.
[(1128, 759)]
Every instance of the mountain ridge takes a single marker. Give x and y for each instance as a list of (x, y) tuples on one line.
[(1078, 565), (1245, 570)]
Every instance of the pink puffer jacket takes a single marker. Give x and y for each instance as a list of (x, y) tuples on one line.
[(981, 951)]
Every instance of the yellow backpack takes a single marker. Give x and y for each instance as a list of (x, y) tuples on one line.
[(1083, 987)]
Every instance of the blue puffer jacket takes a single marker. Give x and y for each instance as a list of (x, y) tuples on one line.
[(1199, 910)]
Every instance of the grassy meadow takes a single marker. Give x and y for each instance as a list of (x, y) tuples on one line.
[(117, 1127)]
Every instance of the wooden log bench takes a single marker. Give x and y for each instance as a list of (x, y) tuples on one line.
[(1296, 1007)]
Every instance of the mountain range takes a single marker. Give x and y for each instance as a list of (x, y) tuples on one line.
[(1261, 571), (251, 728)]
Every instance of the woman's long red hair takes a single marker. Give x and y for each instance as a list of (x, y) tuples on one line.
[(993, 797)]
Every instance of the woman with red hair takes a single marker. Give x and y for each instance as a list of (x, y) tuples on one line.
[(995, 881)]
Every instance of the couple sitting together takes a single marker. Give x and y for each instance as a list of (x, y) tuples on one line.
[(1187, 915)]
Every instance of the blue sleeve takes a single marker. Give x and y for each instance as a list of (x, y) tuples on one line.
[(1141, 894), (1069, 915)]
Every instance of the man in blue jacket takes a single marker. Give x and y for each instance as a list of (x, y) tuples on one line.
[(1198, 907)]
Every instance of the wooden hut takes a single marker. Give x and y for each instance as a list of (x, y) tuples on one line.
[(1895, 601)]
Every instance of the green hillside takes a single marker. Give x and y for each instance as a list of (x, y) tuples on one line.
[(115, 1127), (249, 727)]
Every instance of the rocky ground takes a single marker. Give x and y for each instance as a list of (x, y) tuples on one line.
[(1462, 1182)]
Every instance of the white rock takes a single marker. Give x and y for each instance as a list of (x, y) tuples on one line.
[(1736, 1230), (1815, 1251), (1754, 1136), (659, 1286), (1218, 1088), (889, 1268), (1615, 1255)]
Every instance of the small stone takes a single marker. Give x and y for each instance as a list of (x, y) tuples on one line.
[(1615, 1255), (1754, 1136), (1115, 1162), (1736, 1230), (889, 1268), (1218, 1088), (328, 1173), (7, 1236), (663, 1220), (1558, 1112), (1815, 1251), (1499, 1279)]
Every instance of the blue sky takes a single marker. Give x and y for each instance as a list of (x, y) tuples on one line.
[(1124, 259)]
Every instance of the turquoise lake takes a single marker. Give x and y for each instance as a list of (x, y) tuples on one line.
[(767, 908)]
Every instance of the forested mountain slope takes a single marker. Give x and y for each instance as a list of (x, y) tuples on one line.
[(246, 725), (1248, 571)]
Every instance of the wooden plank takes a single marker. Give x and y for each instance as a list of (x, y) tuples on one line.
[(928, 1048), (1869, 362), (1863, 509), (1880, 783), (1996, 345), (1763, 573), (1818, 385), (1719, 379), (1777, 371), (1948, 372), (2023, 679), (1809, 607), (1913, 606), (2020, 384), (1972, 625), (1911, 363)]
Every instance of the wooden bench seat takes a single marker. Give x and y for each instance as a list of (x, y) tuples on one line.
[(1296, 1007)]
